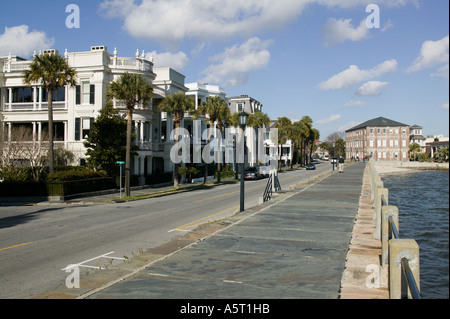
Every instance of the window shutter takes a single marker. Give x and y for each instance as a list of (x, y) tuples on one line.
[(77, 128), (92, 94), (78, 95)]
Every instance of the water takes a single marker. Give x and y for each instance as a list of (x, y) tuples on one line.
[(422, 198)]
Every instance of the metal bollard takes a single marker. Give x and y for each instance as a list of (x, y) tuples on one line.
[(386, 213), (401, 249)]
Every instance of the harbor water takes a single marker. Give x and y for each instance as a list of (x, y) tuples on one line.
[(422, 198)]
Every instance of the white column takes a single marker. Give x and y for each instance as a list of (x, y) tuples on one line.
[(9, 131), (136, 165), (141, 140), (39, 130), (169, 127), (34, 131), (66, 134)]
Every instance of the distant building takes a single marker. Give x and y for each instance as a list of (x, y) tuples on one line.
[(237, 104), (381, 139), (416, 136)]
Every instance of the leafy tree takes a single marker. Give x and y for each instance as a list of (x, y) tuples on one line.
[(51, 71), (107, 141), (132, 90)]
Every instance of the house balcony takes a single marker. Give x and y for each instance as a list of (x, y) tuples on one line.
[(34, 106), (131, 64)]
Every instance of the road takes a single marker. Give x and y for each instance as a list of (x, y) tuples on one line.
[(38, 242)]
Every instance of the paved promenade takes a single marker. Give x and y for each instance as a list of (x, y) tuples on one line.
[(292, 247)]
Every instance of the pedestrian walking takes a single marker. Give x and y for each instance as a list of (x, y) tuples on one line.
[(341, 164)]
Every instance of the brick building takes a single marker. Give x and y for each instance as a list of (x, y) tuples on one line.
[(381, 139)]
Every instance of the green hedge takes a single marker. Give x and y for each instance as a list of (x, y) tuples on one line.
[(80, 186), (8, 189), (74, 175)]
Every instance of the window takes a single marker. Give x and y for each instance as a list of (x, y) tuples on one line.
[(22, 95), (82, 127), (59, 95), (240, 107), (384, 143), (403, 143), (391, 144), (379, 131), (371, 131), (85, 93), (396, 143), (371, 143)]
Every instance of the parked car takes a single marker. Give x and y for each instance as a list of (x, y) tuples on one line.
[(310, 166), (325, 158), (251, 173), (334, 160), (264, 170)]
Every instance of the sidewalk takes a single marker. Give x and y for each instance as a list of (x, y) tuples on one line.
[(292, 247)]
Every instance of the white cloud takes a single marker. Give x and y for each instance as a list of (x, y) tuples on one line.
[(19, 41), (347, 126), (354, 75), (234, 64), (371, 88), (171, 21), (352, 104), (432, 53), (331, 119), (176, 61), (441, 72), (338, 31)]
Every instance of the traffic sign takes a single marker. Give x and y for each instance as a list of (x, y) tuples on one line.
[(120, 163)]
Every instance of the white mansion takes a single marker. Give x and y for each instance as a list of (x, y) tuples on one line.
[(75, 108)]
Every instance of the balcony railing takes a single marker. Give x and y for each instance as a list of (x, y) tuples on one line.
[(34, 106), (131, 64)]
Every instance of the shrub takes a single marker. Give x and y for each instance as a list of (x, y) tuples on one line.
[(74, 174)]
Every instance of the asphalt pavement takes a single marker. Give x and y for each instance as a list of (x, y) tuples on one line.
[(292, 247)]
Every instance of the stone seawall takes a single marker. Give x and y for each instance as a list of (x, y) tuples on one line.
[(362, 277), (399, 167)]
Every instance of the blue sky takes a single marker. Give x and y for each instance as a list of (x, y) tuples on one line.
[(297, 57)]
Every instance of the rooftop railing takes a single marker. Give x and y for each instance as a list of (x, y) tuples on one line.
[(400, 257)]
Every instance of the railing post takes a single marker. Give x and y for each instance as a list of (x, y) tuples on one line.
[(400, 249), (380, 193), (386, 213)]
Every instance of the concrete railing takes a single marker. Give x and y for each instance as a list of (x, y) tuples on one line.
[(399, 257)]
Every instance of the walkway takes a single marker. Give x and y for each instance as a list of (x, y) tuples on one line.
[(294, 247)]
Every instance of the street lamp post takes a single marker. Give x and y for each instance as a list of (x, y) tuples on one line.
[(334, 155), (243, 118)]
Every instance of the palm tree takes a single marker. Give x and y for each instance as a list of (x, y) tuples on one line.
[(258, 120), (51, 71), (306, 124), (177, 105), (219, 112), (284, 126), (414, 148), (315, 135), (132, 90)]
